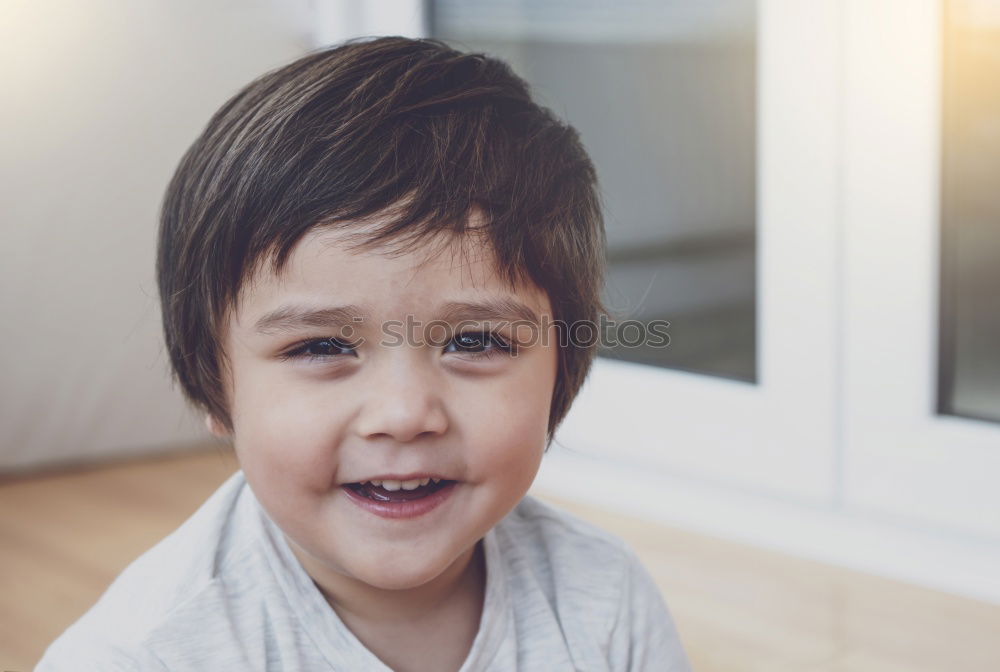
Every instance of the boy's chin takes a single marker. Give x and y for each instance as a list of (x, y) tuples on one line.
[(392, 569), (396, 582), (402, 575)]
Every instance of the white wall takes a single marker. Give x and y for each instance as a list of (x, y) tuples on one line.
[(100, 100)]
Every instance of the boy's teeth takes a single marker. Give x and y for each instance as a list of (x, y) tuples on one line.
[(412, 484)]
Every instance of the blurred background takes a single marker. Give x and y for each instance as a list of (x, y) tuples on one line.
[(806, 191)]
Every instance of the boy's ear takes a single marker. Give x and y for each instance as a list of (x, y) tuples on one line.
[(215, 427)]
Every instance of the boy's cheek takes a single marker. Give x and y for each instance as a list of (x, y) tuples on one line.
[(508, 439), (506, 415), (288, 442)]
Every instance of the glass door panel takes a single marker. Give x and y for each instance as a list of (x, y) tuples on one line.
[(970, 211)]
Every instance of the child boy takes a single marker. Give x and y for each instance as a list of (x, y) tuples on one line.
[(367, 264)]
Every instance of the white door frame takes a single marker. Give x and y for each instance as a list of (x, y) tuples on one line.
[(902, 459)]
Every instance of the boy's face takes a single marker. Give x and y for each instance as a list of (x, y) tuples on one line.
[(312, 416)]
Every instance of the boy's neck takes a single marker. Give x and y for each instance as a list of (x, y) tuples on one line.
[(356, 602), (430, 627)]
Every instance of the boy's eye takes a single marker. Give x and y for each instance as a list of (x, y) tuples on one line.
[(479, 344), (320, 348)]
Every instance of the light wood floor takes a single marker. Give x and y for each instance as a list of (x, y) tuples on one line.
[(64, 537)]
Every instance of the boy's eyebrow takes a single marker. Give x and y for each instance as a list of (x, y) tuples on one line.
[(290, 318), (502, 309)]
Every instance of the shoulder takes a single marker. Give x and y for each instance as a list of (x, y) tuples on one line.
[(569, 559), (184, 569), (608, 608), (549, 533)]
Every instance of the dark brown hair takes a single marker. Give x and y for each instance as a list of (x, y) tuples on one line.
[(391, 124)]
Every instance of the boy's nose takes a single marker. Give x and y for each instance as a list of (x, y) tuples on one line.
[(404, 404)]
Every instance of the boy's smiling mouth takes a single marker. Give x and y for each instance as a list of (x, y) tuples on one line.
[(400, 496), (391, 490)]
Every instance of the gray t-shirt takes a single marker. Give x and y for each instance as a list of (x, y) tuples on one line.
[(224, 592)]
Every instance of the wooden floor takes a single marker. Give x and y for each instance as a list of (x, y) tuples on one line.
[(64, 537)]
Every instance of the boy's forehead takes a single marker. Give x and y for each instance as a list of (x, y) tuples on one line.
[(323, 251), (327, 263)]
